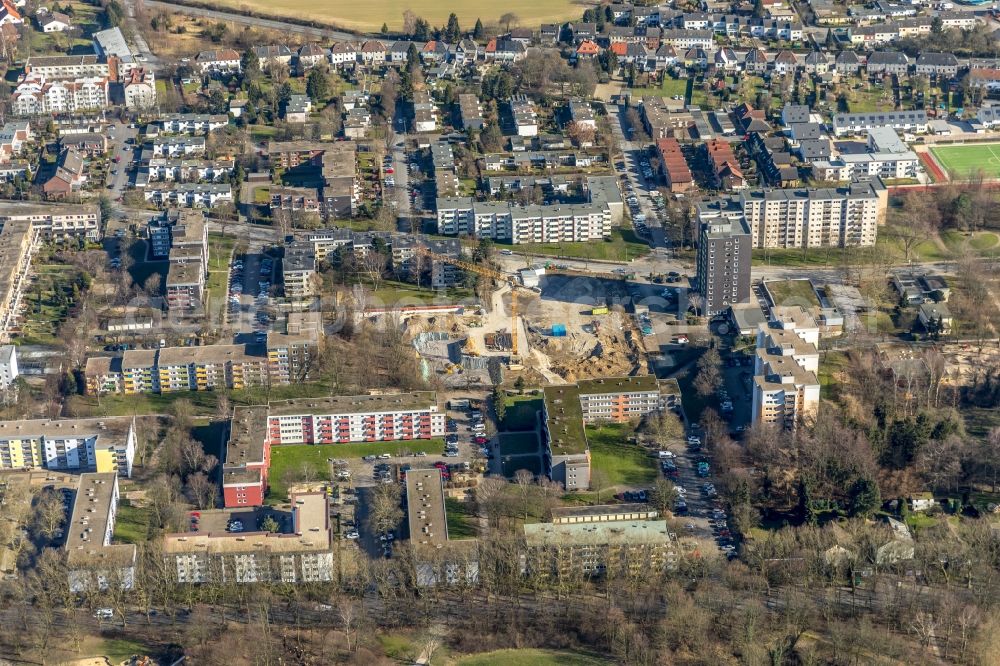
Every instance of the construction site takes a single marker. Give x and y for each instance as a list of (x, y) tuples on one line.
[(565, 329)]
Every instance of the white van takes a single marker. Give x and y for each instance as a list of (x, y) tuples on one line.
[(104, 613)]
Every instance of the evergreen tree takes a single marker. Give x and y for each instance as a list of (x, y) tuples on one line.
[(421, 30), (831, 41), (452, 32), (385, 28), (318, 85), (479, 31), (758, 9)]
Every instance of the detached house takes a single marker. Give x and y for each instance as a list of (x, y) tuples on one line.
[(346, 53), (311, 55)]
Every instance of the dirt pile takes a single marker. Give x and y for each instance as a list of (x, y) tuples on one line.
[(607, 356)]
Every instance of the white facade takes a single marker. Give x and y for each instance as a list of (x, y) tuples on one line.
[(524, 224), (786, 390), (8, 365), (35, 95)]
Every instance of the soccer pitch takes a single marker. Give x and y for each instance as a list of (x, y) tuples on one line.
[(962, 161)]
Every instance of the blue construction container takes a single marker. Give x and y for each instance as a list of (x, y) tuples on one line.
[(558, 330)]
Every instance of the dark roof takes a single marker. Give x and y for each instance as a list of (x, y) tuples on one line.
[(888, 58)]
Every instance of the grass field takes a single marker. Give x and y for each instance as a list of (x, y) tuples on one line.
[(521, 412), (793, 292), (623, 246), (532, 657), (132, 524), (370, 16), (299, 458), (962, 161), (461, 519), (624, 464), (518, 443)]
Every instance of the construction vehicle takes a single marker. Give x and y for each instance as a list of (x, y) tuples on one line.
[(515, 359)]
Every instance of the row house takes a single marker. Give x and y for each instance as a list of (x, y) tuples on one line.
[(860, 123), (887, 62), (56, 222), (686, 39), (879, 34), (984, 77), (937, 64), (189, 195), (68, 67), (504, 50)]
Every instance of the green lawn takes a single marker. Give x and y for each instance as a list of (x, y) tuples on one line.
[(962, 161), (624, 464), (533, 657), (521, 412), (518, 443), (668, 88), (793, 292), (131, 524), (461, 519), (118, 650), (623, 246), (919, 521), (203, 402), (983, 241), (831, 363), (398, 294), (300, 457)]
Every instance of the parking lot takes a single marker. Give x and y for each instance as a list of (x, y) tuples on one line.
[(698, 505)]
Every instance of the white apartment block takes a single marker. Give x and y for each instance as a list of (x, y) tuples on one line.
[(786, 389), (825, 217), (95, 445), (189, 195), (176, 146), (166, 169), (191, 123), (56, 221), (68, 67), (860, 123), (364, 418), (524, 224), (523, 115), (36, 95), (8, 365), (851, 166)]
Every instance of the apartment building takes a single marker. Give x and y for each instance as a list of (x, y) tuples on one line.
[(37, 95), (56, 221), (189, 195), (298, 266), (92, 560), (176, 146), (210, 367), (567, 409), (823, 217), (13, 136), (522, 116), (168, 169), (424, 112), (68, 67), (103, 374), (470, 111), (185, 287), (505, 221), (223, 61), (18, 241), (860, 123), (849, 166), (79, 445), (723, 264), (425, 507), (786, 389), (8, 365), (248, 458), (139, 87), (612, 549), (139, 373), (179, 229), (364, 418), (291, 355), (190, 123), (408, 264), (302, 553)]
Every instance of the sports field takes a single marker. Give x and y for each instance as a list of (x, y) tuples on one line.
[(369, 16), (962, 161)]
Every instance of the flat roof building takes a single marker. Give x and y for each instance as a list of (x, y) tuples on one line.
[(92, 560)]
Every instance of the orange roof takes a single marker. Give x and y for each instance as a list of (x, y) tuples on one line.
[(11, 10), (619, 48), (587, 47), (674, 163)]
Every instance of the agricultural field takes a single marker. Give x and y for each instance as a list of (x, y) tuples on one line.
[(963, 161), (370, 16)]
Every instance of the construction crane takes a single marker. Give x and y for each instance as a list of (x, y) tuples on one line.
[(515, 360)]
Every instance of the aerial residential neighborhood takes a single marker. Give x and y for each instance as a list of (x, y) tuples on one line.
[(545, 333)]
